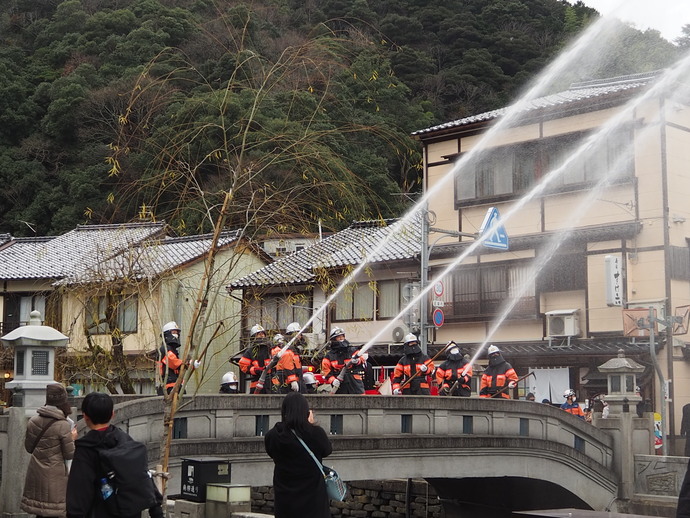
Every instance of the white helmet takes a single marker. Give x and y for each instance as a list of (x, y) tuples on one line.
[(493, 349), (279, 339), (410, 337), (171, 326), (229, 377), (294, 327), (309, 378), (569, 393), (256, 329), (337, 331)]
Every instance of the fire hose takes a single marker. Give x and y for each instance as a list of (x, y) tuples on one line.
[(516, 382), (408, 380)]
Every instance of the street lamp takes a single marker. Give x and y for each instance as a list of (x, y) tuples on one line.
[(34, 360)]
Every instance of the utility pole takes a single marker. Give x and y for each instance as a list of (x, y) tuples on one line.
[(667, 323), (424, 274)]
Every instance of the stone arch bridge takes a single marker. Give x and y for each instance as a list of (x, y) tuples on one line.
[(473, 451), (470, 449)]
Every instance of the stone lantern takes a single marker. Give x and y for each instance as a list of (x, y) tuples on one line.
[(34, 361), (621, 374)]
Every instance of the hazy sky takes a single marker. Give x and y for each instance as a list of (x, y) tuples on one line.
[(666, 16)]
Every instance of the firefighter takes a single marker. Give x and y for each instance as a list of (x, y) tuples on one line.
[(299, 343), (343, 361), (454, 375), (299, 346), (229, 384), (499, 376), (310, 383), (170, 356), (411, 374), (287, 368), (256, 358), (570, 404)]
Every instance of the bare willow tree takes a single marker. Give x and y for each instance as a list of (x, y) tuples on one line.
[(267, 147)]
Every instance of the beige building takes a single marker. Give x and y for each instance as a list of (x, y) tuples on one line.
[(106, 286), (357, 279), (592, 187)]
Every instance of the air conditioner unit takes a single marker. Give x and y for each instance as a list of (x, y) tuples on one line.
[(564, 322)]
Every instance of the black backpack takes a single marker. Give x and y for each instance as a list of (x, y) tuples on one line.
[(125, 466)]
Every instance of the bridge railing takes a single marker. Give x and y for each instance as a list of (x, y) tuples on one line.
[(241, 418)]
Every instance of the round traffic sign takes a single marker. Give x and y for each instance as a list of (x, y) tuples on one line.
[(438, 317), (438, 288)]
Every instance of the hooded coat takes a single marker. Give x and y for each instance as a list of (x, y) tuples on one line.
[(83, 489), (298, 484), (46, 477)]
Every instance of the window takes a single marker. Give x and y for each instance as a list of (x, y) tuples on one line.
[(125, 314), (566, 272), (336, 424), (355, 302), (18, 308), (389, 299), (275, 312), (480, 291), (261, 425), (510, 170)]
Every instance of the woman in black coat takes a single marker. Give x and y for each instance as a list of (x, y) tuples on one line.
[(298, 484)]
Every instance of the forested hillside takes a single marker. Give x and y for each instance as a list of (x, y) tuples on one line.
[(122, 110)]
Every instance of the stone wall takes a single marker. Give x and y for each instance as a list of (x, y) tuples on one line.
[(371, 499)]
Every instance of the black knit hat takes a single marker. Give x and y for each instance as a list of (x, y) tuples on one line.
[(56, 396)]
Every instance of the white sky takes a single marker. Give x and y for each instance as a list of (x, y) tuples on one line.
[(666, 16)]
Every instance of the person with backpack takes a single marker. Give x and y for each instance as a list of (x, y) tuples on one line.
[(109, 475)]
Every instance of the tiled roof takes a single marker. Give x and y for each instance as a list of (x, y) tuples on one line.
[(153, 257), (4, 238), (57, 257), (577, 93), (348, 247)]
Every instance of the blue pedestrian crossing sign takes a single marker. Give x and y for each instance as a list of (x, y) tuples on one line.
[(498, 237)]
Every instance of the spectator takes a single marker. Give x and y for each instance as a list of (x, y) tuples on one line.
[(83, 488), (605, 410), (50, 441), (298, 485), (530, 397), (683, 509), (640, 407), (498, 377), (685, 429)]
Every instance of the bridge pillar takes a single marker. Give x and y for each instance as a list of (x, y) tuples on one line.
[(441, 422), (14, 465), (375, 421), (632, 435)]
